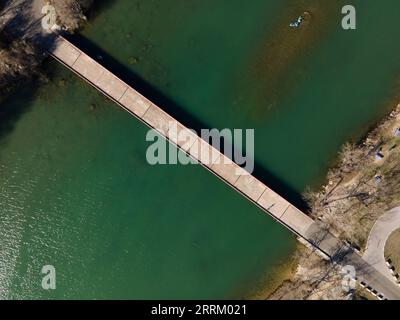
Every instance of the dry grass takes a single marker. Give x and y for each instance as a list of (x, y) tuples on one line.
[(70, 13), (392, 249), (19, 57), (315, 279), (349, 204)]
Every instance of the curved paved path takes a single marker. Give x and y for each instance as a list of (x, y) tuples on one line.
[(383, 227)]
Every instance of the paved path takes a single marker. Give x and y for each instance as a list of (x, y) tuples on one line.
[(383, 227)]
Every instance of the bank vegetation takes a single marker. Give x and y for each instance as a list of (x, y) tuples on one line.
[(363, 185), (20, 57)]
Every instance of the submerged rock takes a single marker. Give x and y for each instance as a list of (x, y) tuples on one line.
[(62, 82), (133, 60)]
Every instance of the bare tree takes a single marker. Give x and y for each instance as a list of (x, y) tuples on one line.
[(20, 27)]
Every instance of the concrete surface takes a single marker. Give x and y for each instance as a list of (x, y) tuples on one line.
[(380, 233)]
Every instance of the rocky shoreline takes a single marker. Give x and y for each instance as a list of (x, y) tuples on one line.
[(20, 55), (363, 185)]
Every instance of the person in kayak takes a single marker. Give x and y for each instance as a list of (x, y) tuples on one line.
[(297, 23)]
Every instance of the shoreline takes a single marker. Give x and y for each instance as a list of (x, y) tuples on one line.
[(349, 202), (271, 282), (286, 271), (21, 52)]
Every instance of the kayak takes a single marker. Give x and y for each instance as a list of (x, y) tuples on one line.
[(297, 23)]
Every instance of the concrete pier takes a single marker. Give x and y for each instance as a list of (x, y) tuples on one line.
[(249, 186), (200, 150)]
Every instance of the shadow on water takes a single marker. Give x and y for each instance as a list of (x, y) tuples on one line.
[(280, 187), (176, 111), (14, 106), (99, 6), (18, 91)]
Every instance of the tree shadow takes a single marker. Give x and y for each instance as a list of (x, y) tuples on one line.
[(14, 106), (26, 24), (99, 6), (20, 22)]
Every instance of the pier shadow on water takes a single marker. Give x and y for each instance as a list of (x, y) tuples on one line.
[(13, 106), (177, 111), (97, 7)]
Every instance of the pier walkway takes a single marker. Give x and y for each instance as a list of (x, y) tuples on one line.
[(305, 228)]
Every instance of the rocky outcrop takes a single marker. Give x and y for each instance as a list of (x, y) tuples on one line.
[(18, 61), (71, 13), (19, 56)]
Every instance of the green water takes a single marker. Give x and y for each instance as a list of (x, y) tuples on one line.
[(77, 192), (199, 55)]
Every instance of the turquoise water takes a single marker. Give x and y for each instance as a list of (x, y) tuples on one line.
[(77, 193), (237, 65)]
